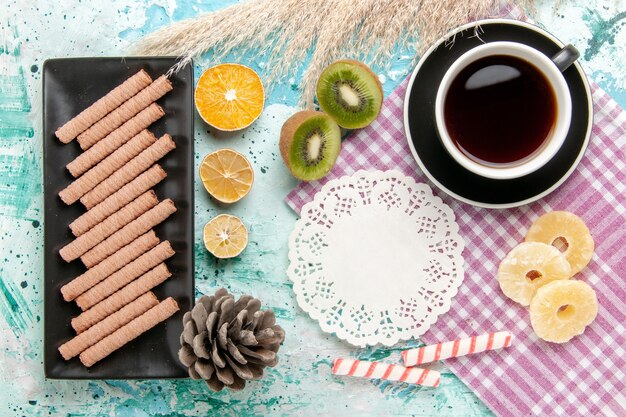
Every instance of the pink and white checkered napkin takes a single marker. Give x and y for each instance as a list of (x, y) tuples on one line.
[(584, 377)]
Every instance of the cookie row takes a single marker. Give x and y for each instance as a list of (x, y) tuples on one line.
[(114, 238)]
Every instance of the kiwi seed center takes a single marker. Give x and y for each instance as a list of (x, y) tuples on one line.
[(314, 147), (348, 96)]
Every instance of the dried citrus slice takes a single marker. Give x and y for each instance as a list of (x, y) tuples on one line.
[(225, 236), (566, 229), (229, 96), (563, 309), (227, 175), (529, 266)]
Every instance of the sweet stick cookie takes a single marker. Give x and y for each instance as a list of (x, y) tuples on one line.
[(119, 199), (128, 233), (99, 331), (131, 107), (124, 276), (83, 184), (130, 331), (113, 263), (120, 298), (386, 371), (103, 106), (110, 225), (456, 348), (115, 139), (129, 171)]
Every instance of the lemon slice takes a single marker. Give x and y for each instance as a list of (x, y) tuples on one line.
[(227, 175), (225, 236)]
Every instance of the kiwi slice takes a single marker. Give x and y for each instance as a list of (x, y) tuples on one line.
[(310, 142), (350, 93)]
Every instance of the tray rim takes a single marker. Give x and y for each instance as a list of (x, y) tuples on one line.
[(191, 202)]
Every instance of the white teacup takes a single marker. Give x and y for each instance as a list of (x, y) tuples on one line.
[(550, 68)]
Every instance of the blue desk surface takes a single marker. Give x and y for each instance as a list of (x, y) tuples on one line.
[(301, 384)]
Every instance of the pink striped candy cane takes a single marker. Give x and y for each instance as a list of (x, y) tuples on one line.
[(456, 348), (389, 372)]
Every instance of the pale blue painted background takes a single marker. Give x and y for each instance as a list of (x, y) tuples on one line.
[(32, 31)]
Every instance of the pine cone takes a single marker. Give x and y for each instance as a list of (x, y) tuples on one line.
[(227, 343)]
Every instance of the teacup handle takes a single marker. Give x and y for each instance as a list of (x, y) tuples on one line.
[(565, 57)]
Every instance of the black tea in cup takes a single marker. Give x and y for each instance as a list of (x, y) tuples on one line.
[(499, 110)]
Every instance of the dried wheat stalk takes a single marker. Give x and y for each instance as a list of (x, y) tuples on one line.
[(286, 32)]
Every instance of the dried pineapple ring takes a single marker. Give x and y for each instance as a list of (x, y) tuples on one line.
[(563, 309), (557, 225), (529, 266)]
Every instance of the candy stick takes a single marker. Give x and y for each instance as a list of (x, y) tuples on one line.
[(128, 233), (120, 298), (102, 107), (115, 139), (100, 330), (113, 263), (119, 199), (456, 348), (106, 167), (129, 171), (110, 225), (131, 107), (388, 372), (124, 276), (129, 331)]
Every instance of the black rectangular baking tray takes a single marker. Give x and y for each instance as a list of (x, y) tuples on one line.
[(69, 86)]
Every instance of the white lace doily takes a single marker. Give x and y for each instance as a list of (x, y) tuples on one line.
[(375, 258)]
